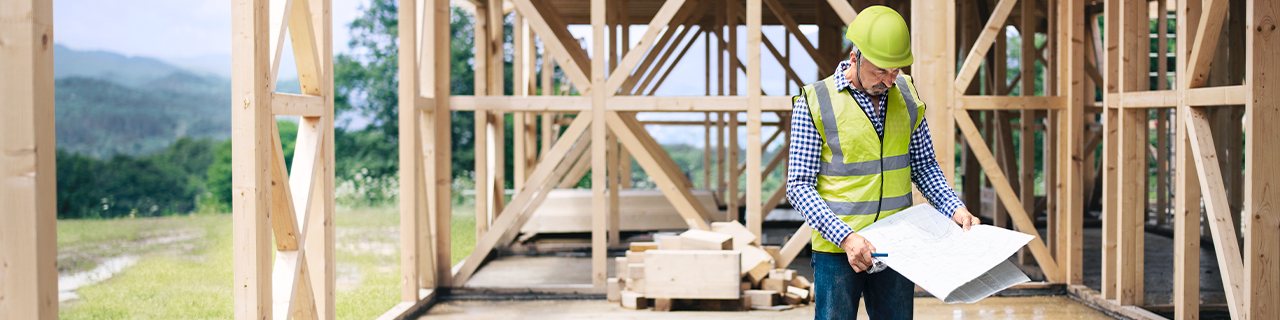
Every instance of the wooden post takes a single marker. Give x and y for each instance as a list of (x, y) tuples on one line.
[(598, 147), (28, 237), (615, 185), (1262, 277), (755, 217), (411, 172), (1186, 224), (706, 134), (732, 165), (251, 123), (1134, 29), (1070, 154), (441, 153), (1027, 133), (481, 142), (935, 56)]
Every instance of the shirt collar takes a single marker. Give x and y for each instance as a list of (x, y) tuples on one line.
[(841, 82)]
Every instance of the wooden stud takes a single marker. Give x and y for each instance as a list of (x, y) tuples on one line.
[(1205, 42), (1261, 274), (557, 40), (784, 16), (993, 28), (681, 17), (615, 186), (935, 56), (755, 217), (251, 235), (1225, 242), (599, 143), (1070, 152), (441, 153), (1131, 174), (1186, 224), (28, 236), (410, 176), (660, 19), (1027, 134)]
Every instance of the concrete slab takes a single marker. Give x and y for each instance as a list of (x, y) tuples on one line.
[(1056, 307)]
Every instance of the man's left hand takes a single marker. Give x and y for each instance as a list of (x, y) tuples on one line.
[(965, 219)]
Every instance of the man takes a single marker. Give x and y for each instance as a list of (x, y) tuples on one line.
[(859, 139)]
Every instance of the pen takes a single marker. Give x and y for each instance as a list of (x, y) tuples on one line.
[(879, 254)]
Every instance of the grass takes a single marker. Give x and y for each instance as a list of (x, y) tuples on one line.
[(191, 278)]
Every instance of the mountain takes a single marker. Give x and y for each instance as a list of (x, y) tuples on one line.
[(110, 104)]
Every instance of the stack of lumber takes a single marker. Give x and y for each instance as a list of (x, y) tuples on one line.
[(725, 269)]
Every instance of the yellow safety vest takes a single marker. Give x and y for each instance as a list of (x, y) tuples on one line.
[(861, 176)]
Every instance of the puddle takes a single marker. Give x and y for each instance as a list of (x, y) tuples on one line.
[(67, 284)]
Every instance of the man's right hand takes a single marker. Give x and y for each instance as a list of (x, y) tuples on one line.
[(858, 250)]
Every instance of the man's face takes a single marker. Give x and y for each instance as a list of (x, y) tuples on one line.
[(875, 80)]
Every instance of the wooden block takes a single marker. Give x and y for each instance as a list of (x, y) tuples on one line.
[(756, 263), (782, 274), (662, 304), (635, 271), (774, 251), (742, 237), (693, 274), (705, 240), (633, 300), (774, 285), (746, 285), (635, 257), (569, 211), (620, 268), (802, 293), (801, 282), (636, 285), (813, 297), (643, 246), (614, 287), (789, 298), (762, 298), (669, 242)]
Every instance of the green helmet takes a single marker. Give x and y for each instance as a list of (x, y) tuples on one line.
[(881, 35)]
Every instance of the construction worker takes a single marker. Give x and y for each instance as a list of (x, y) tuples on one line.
[(859, 139)]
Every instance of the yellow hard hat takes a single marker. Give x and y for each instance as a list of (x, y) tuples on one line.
[(882, 36)]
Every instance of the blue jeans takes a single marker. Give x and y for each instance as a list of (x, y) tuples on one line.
[(837, 289)]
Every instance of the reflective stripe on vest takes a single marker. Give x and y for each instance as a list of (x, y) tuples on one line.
[(876, 182)]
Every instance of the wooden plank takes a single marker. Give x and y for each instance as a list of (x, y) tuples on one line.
[(1001, 184), (411, 172), (1205, 43), (1261, 273), (985, 40), (1131, 174), (695, 239), (285, 104), (440, 155), (692, 274), (579, 154), (306, 52), (1145, 99), (679, 194), (599, 145), (505, 221), (844, 10), (784, 16), (555, 37), (1186, 223), (660, 19), (251, 125), (936, 57), (755, 217), (615, 186), (742, 237), (1027, 137), (1070, 155), (1217, 96), (1225, 243), (28, 235), (792, 248), (682, 17), (1011, 103)]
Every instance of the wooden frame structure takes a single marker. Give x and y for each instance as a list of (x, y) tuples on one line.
[(960, 71)]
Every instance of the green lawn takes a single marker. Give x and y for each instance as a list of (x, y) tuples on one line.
[(184, 266)]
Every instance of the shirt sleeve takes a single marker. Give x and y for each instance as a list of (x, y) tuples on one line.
[(802, 176), (926, 174)]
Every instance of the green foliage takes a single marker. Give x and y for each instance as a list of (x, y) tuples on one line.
[(163, 183), (101, 118), (218, 195)]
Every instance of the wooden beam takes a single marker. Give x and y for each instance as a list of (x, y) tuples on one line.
[(557, 39), (844, 10), (755, 217), (1001, 184), (251, 123), (646, 155), (1261, 273), (985, 40), (1225, 243), (1217, 96), (783, 60), (797, 243), (660, 19), (285, 104), (1206, 42), (306, 52), (1027, 137), (412, 173), (1011, 103), (599, 143), (440, 155), (784, 16), (683, 16), (28, 235), (576, 155), (506, 220), (1132, 141), (666, 54), (1070, 159), (1186, 221)]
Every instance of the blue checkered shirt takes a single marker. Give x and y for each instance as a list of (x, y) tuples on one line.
[(806, 150)]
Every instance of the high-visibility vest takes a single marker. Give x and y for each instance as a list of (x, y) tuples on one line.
[(861, 176)]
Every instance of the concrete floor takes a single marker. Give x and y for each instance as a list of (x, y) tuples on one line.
[(1057, 307)]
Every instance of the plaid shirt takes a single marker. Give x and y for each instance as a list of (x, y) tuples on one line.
[(806, 149)]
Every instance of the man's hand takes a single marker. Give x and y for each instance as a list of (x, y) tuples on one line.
[(859, 250), (965, 219)]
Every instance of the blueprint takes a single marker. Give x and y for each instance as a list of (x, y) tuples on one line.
[(952, 264)]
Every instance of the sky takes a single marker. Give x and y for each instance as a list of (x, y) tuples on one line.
[(197, 34)]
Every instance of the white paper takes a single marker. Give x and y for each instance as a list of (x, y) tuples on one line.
[(952, 264)]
